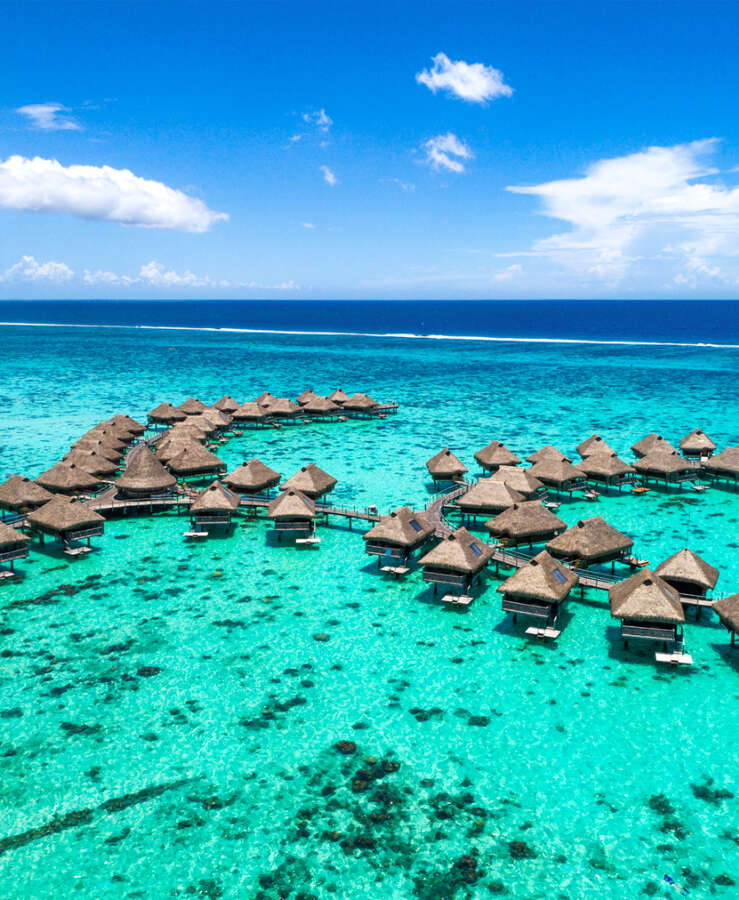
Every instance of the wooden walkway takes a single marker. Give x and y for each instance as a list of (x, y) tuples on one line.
[(435, 510)]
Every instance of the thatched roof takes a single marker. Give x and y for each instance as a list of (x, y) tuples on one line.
[(728, 611), (100, 447), (252, 476), (166, 414), (194, 459), (555, 470), (458, 552), (496, 454), (306, 397), (491, 495), (192, 406), (90, 461), (360, 401), (131, 425), (250, 411), (292, 505), (266, 397), (520, 480), (311, 481), (67, 478), (19, 492), (589, 539), (188, 429), (121, 431), (724, 463), (645, 597), (525, 520), (697, 442), (651, 442), (688, 567), (10, 538), (63, 514), (662, 462), (169, 447), (227, 404), (549, 450), (542, 578), (203, 422), (594, 444), (216, 417), (107, 436), (215, 499), (339, 396), (604, 465), (280, 407), (445, 463), (320, 405), (145, 474), (402, 527)]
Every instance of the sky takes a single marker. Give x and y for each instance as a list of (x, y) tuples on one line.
[(369, 150)]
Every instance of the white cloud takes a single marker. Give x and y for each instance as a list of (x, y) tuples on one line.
[(328, 176), (49, 117), (29, 269), (509, 273), (155, 273), (473, 82), (445, 151), (657, 208), (100, 193), (320, 118), (100, 276), (307, 224)]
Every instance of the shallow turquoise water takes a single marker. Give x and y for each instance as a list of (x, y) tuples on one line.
[(187, 680)]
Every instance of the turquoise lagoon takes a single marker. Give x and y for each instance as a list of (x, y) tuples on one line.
[(169, 721)]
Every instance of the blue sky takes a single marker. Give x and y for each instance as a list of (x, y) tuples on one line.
[(284, 149)]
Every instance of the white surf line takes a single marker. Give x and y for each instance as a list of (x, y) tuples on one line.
[(390, 334)]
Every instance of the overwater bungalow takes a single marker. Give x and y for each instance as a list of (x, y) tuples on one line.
[(250, 412), (487, 497), (13, 546), (537, 590), (559, 474), (227, 405), (649, 609), (606, 469), (281, 409), (666, 466), (311, 481), (68, 478), (652, 441), (204, 422), (322, 408), (20, 495), (520, 480), (131, 425), (526, 523), (266, 397), (724, 466), (360, 406), (292, 511), (594, 444), (549, 450), (192, 407), (589, 542), (91, 462), (107, 436), (396, 537), (145, 476), (116, 430), (496, 455), (306, 397), (252, 477), (455, 562), (697, 445), (169, 447), (339, 396), (216, 417), (165, 414), (727, 610), (68, 520), (102, 448), (189, 429), (214, 506), (691, 576), (445, 466), (195, 461)]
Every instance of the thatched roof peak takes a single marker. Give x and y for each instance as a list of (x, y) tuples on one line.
[(249, 411), (19, 492), (265, 397), (90, 461), (339, 396), (63, 514), (459, 552), (496, 454), (555, 469), (604, 465), (651, 442), (726, 462), (67, 478), (320, 405), (107, 436), (489, 494), (403, 527), (594, 444), (145, 473), (662, 462), (360, 401), (549, 450), (306, 397), (645, 597), (688, 567), (280, 406), (100, 447), (192, 406), (697, 442), (292, 505), (589, 539), (9, 537), (524, 520), (311, 481), (216, 417), (520, 480), (194, 459), (445, 463), (542, 578), (226, 404), (216, 498), (252, 475), (166, 414), (131, 425)]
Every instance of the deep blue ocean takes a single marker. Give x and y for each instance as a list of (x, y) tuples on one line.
[(683, 321)]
